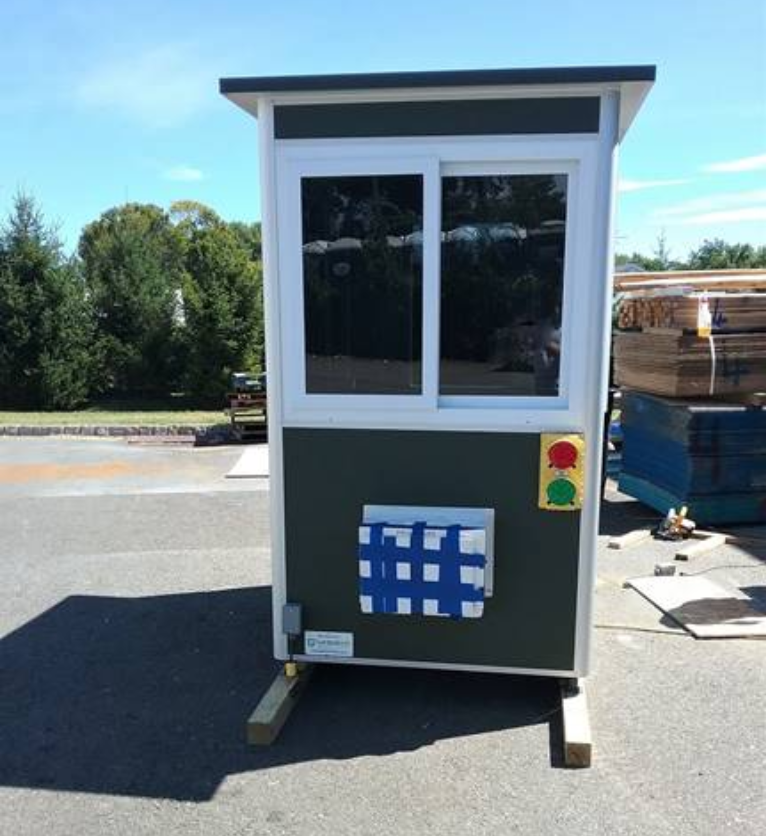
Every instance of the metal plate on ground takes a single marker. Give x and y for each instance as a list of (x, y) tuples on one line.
[(703, 608)]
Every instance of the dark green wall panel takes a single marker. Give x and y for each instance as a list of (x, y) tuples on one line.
[(571, 114), (331, 473)]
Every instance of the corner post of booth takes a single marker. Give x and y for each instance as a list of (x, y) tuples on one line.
[(598, 382)]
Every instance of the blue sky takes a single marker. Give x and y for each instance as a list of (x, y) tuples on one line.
[(103, 102)]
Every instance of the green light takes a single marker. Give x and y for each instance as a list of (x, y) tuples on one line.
[(561, 492)]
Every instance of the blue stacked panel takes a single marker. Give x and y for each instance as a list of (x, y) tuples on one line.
[(711, 457)]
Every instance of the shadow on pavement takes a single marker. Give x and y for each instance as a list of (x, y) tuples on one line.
[(149, 697), (619, 516)]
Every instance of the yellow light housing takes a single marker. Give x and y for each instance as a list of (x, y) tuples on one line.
[(562, 472)]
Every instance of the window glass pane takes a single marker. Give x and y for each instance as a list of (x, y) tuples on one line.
[(502, 275), (362, 274)]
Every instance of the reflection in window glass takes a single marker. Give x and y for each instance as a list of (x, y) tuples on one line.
[(502, 270), (362, 282)]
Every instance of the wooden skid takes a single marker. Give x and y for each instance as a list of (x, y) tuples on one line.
[(704, 541), (578, 745), (275, 706), (632, 538)]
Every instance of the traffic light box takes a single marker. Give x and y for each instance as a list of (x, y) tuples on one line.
[(562, 472)]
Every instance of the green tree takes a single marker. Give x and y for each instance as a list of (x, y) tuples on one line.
[(133, 263), (658, 261), (47, 351), (223, 309), (189, 215), (249, 235), (718, 255), (713, 254), (639, 259), (661, 254)]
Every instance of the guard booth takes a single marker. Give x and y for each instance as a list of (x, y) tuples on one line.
[(437, 254)]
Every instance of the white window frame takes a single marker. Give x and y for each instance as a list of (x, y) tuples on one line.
[(293, 344), (526, 402), (432, 158)]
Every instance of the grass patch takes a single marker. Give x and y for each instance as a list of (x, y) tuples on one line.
[(114, 417)]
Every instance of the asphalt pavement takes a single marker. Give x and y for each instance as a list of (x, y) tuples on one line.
[(135, 638)]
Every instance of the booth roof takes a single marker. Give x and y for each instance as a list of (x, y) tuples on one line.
[(634, 82), (438, 78)]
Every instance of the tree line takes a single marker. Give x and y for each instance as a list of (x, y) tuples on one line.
[(152, 303), (714, 254), (159, 302)]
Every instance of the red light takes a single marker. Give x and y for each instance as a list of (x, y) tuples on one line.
[(562, 455)]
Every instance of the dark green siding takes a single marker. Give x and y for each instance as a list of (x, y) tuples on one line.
[(331, 473), (446, 118)]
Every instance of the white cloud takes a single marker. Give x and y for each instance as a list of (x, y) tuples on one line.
[(728, 216), (639, 185), (160, 87), (756, 163), (183, 174), (713, 203)]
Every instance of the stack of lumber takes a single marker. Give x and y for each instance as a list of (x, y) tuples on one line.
[(686, 343), (708, 455), (732, 281), (684, 365), (730, 312), (680, 334)]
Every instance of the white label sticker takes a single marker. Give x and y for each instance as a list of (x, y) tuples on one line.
[(324, 643)]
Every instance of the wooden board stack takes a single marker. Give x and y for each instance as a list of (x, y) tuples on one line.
[(684, 337), (685, 340), (685, 365), (730, 312)]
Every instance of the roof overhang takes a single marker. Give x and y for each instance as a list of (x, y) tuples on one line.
[(633, 83)]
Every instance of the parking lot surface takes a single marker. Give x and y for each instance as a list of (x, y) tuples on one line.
[(135, 638)]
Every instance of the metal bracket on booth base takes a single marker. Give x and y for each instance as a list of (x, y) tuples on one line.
[(562, 472)]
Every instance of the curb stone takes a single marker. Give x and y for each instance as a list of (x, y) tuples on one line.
[(105, 430)]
